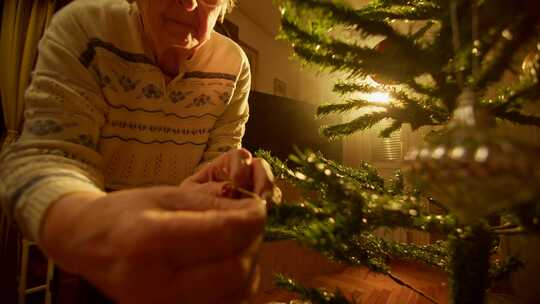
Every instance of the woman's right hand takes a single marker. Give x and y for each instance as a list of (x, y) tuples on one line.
[(159, 245)]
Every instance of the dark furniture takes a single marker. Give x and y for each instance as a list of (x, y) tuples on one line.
[(279, 124)]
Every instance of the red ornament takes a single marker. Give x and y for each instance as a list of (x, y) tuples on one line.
[(385, 44), (383, 47)]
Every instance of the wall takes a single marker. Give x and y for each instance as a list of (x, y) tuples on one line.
[(274, 61), (303, 83)]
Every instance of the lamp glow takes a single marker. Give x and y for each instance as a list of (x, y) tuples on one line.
[(379, 97)]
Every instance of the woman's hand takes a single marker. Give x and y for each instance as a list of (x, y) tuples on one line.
[(159, 245), (237, 170)]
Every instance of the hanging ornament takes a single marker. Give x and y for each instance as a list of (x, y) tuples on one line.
[(531, 63), (472, 169), (385, 47)]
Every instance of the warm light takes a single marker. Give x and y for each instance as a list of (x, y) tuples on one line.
[(378, 97), (369, 80)]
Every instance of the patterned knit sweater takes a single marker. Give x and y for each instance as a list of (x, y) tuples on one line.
[(100, 115)]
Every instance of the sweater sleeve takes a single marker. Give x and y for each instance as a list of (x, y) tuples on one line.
[(230, 127), (56, 153)]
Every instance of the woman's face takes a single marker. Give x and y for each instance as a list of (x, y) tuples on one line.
[(182, 24)]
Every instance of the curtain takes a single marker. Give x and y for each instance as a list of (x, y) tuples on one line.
[(22, 25)]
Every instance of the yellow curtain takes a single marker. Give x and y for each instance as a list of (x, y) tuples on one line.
[(23, 23)]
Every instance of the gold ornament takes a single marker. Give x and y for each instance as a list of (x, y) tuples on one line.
[(531, 63), (473, 170)]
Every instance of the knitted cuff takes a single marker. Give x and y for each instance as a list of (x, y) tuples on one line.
[(37, 201)]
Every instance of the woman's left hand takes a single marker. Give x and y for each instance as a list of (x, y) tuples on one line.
[(234, 170)]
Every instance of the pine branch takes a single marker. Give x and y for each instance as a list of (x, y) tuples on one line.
[(419, 11), (365, 176), (397, 184), (351, 87), (362, 123), (386, 3), (502, 270), (278, 234), (365, 208), (424, 89), (510, 231), (438, 204), (341, 14), (435, 254), (314, 295), (327, 109), (520, 118), (521, 94), (415, 112), (422, 31), (395, 126), (327, 52), (329, 61), (403, 211), (513, 97), (280, 169), (494, 65)]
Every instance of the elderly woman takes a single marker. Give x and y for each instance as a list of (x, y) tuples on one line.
[(131, 95)]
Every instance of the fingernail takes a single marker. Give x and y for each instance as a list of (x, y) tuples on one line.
[(273, 196), (246, 161), (268, 170)]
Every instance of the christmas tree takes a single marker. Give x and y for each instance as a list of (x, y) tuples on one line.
[(447, 72)]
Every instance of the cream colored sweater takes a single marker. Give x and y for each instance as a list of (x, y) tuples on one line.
[(100, 117)]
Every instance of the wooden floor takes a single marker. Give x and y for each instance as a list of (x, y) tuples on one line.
[(372, 288)]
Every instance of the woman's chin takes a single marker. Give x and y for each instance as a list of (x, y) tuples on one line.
[(187, 42)]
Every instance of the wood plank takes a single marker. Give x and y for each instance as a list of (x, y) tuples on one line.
[(373, 288)]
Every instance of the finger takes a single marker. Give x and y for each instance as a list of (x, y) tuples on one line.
[(216, 170), (219, 189), (192, 236), (220, 168), (263, 179), (240, 168), (202, 197), (212, 171)]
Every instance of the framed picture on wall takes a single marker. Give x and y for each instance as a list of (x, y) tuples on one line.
[(252, 55), (280, 87), (228, 28)]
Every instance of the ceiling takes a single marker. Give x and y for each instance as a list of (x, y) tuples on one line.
[(265, 13)]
